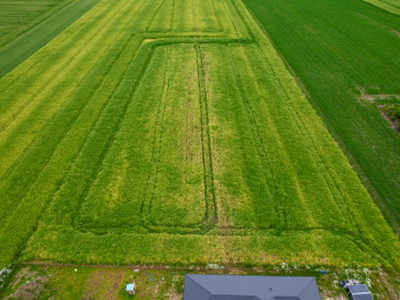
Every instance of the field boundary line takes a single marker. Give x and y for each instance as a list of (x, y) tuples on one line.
[(209, 188), (284, 88), (298, 119), (302, 128)]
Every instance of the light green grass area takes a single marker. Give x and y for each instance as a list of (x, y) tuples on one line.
[(167, 133), (392, 6), (348, 66)]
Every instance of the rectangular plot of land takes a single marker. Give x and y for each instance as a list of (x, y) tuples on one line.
[(154, 172), (178, 195), (115, 197), (267, 170), (301, 183), (243, 195)]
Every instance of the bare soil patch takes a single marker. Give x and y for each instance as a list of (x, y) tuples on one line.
[(394, 123), (30, 284), (374, 97)]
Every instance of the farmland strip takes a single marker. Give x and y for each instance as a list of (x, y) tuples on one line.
[(15, 52), (43, 146)]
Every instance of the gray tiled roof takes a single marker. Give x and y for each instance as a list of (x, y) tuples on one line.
[(241, 287), (360, 292)]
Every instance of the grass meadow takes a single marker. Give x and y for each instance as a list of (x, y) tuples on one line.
[(171, 132)]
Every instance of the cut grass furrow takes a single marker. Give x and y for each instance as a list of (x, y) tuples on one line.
[(234, 153), (10, 241), (78, 181), (299, 154), (61, 124), (211, 215)]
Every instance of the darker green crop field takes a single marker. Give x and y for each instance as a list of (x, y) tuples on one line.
[(17, 16), (18, 41), (170, 132), (346, 53)]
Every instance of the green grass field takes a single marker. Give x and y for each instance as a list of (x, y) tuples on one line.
[(17, 16), (170, 132), (348, 66), (18, 42)]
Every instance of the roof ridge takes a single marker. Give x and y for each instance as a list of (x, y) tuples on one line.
[(189, 276), (312, 280)]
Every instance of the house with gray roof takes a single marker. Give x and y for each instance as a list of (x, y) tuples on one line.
[(244, 287)]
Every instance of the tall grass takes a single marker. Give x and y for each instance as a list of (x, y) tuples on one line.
[(176, 141)]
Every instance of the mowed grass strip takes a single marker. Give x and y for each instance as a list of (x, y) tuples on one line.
[(339, 63), (186, 145)]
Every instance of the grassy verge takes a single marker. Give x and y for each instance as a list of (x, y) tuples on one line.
[(77, 282)]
